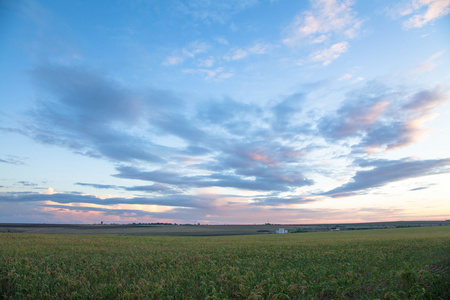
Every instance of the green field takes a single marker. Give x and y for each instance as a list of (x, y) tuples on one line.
[(407, 263)]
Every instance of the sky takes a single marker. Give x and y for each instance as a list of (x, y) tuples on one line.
[(224, 112)]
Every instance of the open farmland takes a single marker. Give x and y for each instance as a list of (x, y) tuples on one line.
[(201, 230), (392, 263)]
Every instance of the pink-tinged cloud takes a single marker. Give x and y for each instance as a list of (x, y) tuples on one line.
[(426, 100), (418, 111), (384, 122), (328, 55), (263, 158), (326, 18), (362, 119), (428, 65), (425, 11)]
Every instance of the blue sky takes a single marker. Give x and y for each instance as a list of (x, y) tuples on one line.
[(224, 112)]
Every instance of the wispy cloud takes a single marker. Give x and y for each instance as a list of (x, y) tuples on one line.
[(237, 54), (383, 172), (419, 13), (240, 53), (429, 64), (189, 52), (279, 201), (326, 19), (213, 11), (326, 56), (420, 188), (27, 183), (154, 188), (217, 73), (173, 60), (11, 159), (206, 62)]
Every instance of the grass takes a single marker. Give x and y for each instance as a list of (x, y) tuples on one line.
[(410, 263)]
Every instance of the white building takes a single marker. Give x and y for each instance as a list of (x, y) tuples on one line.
[(282, 230)]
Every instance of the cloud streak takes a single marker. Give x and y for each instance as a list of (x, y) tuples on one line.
[(71, 198), (13, 160), (264, 179), (383, 172), (154, 188)]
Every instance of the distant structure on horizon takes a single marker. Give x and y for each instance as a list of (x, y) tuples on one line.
[(282, 230)]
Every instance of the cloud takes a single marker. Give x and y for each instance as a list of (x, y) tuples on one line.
[(97, 117), (173, 60), (213, 11), (13, 160), (128, 213), (422, 12), (406, 126), (379, 118), (196, 60), (285, 111), (354, 117), (419, 188), (327, 18), (237, 54), (240, 53), (206, 62), (189, 52), (264, 178), (258, 48), (48, 191), (326, 56), (229, 116), (157, 187), (217, 73), (98, 186), (179, 149), (222, 41), (278, 201), (71, 198), (27, 183), (428, 65), (227, 214), (383, 172)]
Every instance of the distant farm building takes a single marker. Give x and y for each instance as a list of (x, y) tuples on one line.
[(282, 230)]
